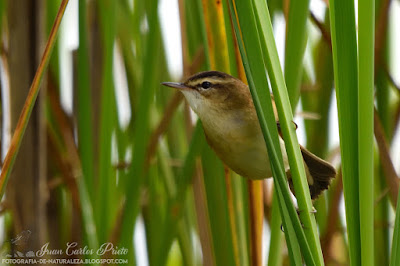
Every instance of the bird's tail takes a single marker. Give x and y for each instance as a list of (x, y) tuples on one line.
[(319, 173)]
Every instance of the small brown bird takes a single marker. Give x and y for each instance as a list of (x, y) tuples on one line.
[(226, 110)]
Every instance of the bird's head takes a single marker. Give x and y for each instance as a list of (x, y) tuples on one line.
[(213, 90)]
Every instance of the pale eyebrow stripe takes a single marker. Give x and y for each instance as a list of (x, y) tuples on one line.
[(209, 74)]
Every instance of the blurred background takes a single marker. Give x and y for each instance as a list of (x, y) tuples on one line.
[(110, 156)]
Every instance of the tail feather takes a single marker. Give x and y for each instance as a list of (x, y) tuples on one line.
[(320, 173)]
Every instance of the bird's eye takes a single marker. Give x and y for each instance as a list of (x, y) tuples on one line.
[(206, 85)]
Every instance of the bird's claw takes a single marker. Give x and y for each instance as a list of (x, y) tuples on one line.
[(313, 211)]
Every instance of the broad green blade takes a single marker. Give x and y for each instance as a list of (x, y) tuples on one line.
[(344, 48), (84, 102), (108, 122), (366, 30), (296, 41)]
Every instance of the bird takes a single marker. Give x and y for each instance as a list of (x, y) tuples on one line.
[(225, 107)]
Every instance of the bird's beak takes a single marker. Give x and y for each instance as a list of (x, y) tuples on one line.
[(176, 85)]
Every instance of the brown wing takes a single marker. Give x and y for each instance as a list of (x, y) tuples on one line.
[(321, 172)]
